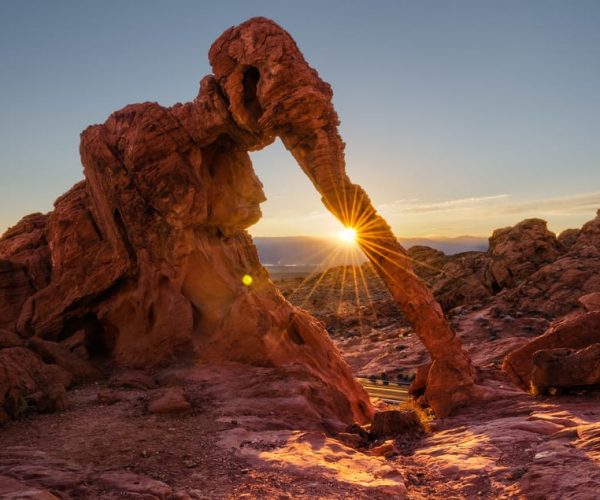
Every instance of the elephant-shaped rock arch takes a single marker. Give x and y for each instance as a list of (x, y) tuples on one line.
[(147, 257), (273, 92)]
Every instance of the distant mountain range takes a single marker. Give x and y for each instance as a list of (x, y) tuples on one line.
[(308, 250)]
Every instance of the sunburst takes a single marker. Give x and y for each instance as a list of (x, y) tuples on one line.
[(361, 234), (348, 236)]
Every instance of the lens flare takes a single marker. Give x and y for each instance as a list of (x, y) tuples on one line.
[(348, 235)]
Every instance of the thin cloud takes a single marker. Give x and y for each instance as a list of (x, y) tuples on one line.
[(403, 206), (557, 206), (501, 204)]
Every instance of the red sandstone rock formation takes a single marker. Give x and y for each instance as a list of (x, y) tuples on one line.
[(455, 280), (566, 368), (148, 258), (591, 301), (576, 334), (555, 288), (516, 252), (526, 269), (26, 381), (253, 63)]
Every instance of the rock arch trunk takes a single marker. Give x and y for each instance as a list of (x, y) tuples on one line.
[(296, 106)]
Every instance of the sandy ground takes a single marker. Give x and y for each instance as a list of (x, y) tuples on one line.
[(244, 433), (510, 447), (118, 450)]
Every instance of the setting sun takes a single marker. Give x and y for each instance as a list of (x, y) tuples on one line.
[(348, 235)]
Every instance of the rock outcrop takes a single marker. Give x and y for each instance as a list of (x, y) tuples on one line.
[(455, 280), (148, 258), (566, 368), (527, 269), (26, 381), (545, 360), (554, 289), (517, 252)]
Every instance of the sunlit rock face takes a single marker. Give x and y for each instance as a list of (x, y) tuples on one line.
[(527, 270), (555, 288), (272, 92), (149, 256), (517, 252), (564, 356)]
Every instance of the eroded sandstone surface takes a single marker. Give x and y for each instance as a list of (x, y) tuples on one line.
[(148, 259)]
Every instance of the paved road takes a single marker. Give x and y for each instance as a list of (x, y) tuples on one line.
[(392, 393)]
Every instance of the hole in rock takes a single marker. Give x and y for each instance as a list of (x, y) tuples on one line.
[(294, 334), (95, 339), (298, 243), (250, 83)]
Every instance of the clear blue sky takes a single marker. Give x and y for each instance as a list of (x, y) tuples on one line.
[(459, 116)]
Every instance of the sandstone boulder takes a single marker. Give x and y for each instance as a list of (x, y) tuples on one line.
[(568, 237), (57, 354), (564, 368), (554, 289), (589, 235), (455, 280), (517, 252), (26, 244), (395, 422), (26, 381), (169, 401), (576, 333)]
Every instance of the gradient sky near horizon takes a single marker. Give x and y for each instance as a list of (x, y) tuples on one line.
[(459, 116)]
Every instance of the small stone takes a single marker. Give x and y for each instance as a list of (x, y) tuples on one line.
[(170, 400), (386, 450), (55, 353), (394, 422), (351, 440)]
